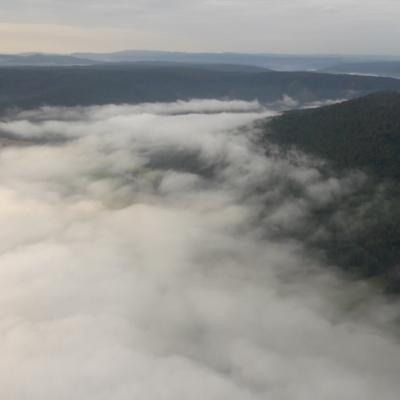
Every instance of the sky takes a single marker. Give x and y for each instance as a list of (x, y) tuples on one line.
[(275, 26)]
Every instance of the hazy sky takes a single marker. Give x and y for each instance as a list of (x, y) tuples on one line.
[(287, 26)]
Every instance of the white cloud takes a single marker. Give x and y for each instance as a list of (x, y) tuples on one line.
[(134, 264)]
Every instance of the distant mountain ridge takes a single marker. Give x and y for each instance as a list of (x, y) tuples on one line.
[(30, 87), (171, 64), (282, 62), (272, 61), (378, 68), (38, 59)]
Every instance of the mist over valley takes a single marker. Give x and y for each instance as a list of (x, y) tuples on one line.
[(199, 200), (152, 246)]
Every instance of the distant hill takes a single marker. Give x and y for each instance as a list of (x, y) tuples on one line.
[(28, 87), (281, 62), (38, 59), (204, 66), (361, 231), (48, 60), (379, 68), (274, 61)]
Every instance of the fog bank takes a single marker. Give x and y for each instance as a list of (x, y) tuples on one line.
[(140, 258)]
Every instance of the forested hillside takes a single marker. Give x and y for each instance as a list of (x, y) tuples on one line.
[(70, 86), (361, 230), (362, 133)]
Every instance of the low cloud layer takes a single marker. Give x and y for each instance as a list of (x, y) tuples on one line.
[(138, 260)]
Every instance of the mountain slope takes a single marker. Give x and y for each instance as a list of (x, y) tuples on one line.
[(358, 232), (362, 133)]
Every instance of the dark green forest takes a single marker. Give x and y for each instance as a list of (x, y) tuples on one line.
[(362, 133), (363, 228)]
